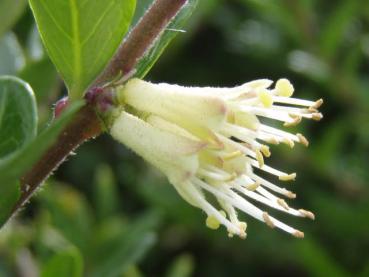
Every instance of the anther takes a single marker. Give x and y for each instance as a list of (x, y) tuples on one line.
[(260, 158), (317, 104), (265, 150), (289, 142), (303, 140), (316, 116), (272, 140), (298, 234), (253, 186), (290, 194), (283, 203), (288, 177), (296, 120), (307, 214), (268, 220)]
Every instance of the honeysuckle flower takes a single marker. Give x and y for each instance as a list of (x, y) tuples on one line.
[(208, 141)]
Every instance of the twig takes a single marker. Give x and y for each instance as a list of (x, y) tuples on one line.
[(69, 139), (86, 123)]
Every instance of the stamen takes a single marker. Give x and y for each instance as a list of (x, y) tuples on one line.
[(233, 217), (273, 187), (231, 155), (278, 132), (209, 209), (237, 201), (268, 138), (281, 175), (293, 101), (280, 204), (236, 145), (241, 133), (214, 175), (264, 112), (267, 194)]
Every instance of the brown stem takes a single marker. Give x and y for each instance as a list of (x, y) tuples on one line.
[(84, 126), (86, 123), (141, 38)]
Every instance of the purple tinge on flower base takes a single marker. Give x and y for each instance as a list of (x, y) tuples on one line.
[(209, 140)]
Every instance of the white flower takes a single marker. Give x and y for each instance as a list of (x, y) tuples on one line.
[(209, 140)]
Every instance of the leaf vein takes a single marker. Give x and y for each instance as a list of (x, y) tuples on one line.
[(77, 42), (94, 28), (50, 14)]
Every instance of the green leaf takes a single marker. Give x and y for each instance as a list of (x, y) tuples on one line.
[(68, 262), (69, 213), (126, 248), (13, 166), (106, 193), (166, 37), (18, 126), (18, 115), (43, 78), (11, 55), (317, 260), (183, 266), (336, 27), (10, 10), (81, 36)]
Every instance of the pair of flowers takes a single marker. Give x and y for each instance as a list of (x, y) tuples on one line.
[(208, 141)]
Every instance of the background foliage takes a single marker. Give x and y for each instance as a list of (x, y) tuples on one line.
[(107, 213)]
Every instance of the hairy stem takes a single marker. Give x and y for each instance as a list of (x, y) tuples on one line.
[(69, 139), (86, 123)]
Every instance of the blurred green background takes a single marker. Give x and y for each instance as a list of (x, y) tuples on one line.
[(105, 212)]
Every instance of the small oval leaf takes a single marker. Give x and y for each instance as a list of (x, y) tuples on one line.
[(173, 28), (18, 115), (81, 36)]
